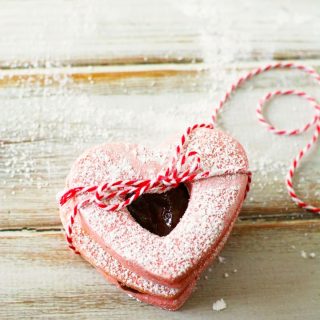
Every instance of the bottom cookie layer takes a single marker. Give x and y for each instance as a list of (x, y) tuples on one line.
[(170, 304), (174, 302), (158, 295)]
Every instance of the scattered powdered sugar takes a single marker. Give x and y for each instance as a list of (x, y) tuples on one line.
[(145, 155), (222, 259), (111, 268), (133, 243), (100, 258), (213, 203), (217, 151), (32, 166), (26, 144), (219, 305), (305, 255)]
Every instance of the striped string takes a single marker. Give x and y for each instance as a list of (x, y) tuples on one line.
[(314, 124), (186, 167)]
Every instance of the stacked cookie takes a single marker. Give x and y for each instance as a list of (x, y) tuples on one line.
[(160, 269)]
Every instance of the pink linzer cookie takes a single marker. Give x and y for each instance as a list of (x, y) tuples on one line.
[(160, 270)]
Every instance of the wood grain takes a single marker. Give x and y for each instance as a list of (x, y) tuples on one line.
[(44, 128), (116, 32), (74, 74), (41, 279)]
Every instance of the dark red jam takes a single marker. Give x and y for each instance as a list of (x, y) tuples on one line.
[(160, 212)]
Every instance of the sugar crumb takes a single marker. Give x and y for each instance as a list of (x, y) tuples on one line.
[(219, 305), (303, 254), (222, 259)]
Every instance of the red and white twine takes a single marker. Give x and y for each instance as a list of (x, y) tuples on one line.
[(314, 123), (186, 167)]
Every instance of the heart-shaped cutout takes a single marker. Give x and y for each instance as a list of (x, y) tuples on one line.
[(159, 213), (139, 259)]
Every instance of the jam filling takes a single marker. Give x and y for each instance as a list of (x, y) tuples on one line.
[(160, 212)]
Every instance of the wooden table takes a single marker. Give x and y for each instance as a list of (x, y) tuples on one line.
[(78, 73)]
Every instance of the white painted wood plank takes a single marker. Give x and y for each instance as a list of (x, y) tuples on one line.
[(104, 32), (40, 278), (46, 122), (45, 128)]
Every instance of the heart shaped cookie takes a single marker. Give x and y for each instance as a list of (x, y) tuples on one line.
[(160, 269)]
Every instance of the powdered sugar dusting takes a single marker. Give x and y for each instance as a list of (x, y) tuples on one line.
[(92, 251), (111, 267), (219, 305), (218, 151), (212, 204)]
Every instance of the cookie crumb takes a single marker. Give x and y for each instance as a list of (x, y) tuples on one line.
[(222, 259), (312, 255), (304, 254), (226, 275), (219, 305)]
